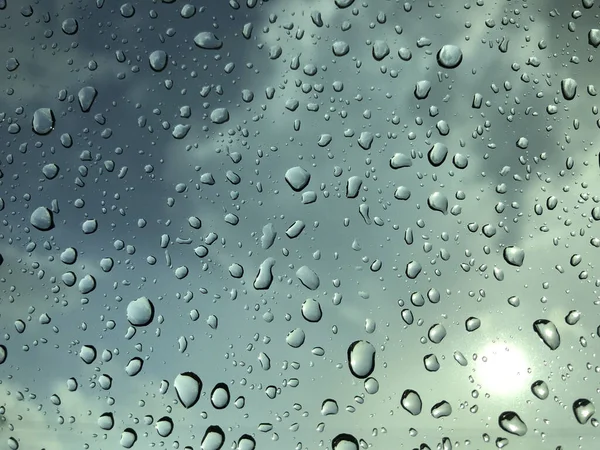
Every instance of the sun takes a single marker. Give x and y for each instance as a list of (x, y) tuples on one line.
[(502, 369)]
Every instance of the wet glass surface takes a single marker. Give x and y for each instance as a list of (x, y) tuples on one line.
[(275, 224)]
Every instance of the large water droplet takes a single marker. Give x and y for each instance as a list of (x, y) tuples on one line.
[(411, 402), (295, 338), (329, 407), (548, 333), (42, 219), (438, 202), (449, 56), (213, 439), (219, 397), (140, 312), (158, 60), (361, 359), (43, 121), (128, 438), (514, 256), (308, 278), (134, 366), (297, 178), (437, 333), (583, 409), (311, 310), (106, 421), (510, 422), (441, 409), (188, 387), (264, 277), (246, 442), (87, 353), (344, 441), (540, 389), (164, 426), (568, 86), (86, 97), (208, 41)]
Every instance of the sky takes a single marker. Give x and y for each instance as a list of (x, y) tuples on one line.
[(178, 213)]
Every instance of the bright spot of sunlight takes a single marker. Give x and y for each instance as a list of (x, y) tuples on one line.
[(502, 370)]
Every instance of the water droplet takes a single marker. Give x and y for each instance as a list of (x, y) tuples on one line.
[(431, 363), (365, 140), (344, 441), (437, 333), (87, 284), (583, 409), (43, 121), (568, 86), (594, 37), (411, 402), (134, 366), (208, 41), (380, 50), (449, 56), (308, 278), (42, 219), (70, 26), (297, 178), (514, 256), (128, 438), (295, 338), (219, 116), (437, 154), (343, 4), (213, 438), (87, 353), (264, 277), (106, 421), (86, 97), (438, 202), (540, 389), (413, 269), (422, 89), (399, 161), (50, 171), (246, 442), (402, 193), (311, 310), (510, 422), (340, 48), (472, 323), (127, 10), (441, 409), (219, 397), (547, 332), (371, 386), (188, 387), (361, 359), (140, 312), (158, 60), (164, 426), (329, 407)]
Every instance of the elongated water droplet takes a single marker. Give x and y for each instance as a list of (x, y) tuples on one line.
[(188, 387), (361, 359), (510, 422), (548, 333)]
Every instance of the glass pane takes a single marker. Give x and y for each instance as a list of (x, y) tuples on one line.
[(334, 224)]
